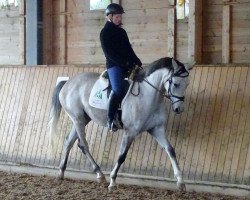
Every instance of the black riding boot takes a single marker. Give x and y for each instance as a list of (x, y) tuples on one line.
[(112, 109)]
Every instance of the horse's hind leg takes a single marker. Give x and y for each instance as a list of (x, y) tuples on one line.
[(83, 145), (68, 144), (126, 142), (159, 134)]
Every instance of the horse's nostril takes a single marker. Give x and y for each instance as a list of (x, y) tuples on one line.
[(177, 110)]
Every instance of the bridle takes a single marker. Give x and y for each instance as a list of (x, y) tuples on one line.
[(179, 73), (170, 94)]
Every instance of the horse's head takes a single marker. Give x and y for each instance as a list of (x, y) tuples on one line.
[(176, 85)]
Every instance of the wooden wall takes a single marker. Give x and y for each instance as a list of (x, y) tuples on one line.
[(211, 137), (83, 33), (71, 32), (213, 32), (145, 23), (11, 49), (240, 37), (182, 40)]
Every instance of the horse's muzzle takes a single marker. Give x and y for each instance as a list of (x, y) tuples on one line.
[(178, 110)]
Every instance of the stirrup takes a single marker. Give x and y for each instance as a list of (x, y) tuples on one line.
[(112, 127)]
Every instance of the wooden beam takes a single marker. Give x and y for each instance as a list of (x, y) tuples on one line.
[(47, 32), (195, 31), (63, 32), (171, 29), (226, 32), (22, 33)]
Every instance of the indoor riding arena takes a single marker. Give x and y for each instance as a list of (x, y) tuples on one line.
[(45, 42)]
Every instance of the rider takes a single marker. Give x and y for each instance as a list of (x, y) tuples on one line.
[(120, 57)]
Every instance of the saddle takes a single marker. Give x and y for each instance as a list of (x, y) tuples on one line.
[(100, 92)]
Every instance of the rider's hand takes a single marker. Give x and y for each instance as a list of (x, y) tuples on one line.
[(138, 63), (133, 75)]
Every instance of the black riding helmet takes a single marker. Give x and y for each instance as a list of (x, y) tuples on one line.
[(114, 8)]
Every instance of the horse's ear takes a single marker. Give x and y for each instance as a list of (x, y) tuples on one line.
[(174, 64), (189, 65)]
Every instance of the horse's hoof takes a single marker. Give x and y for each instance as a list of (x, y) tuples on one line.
[(181, 187), (60, 176), (58, 180), (102, 180), (112, 188)]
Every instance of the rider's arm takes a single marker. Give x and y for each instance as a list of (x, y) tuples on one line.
[(135, 60)]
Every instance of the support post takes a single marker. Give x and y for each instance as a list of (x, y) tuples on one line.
[(195, 31), (22, 33), (63, 32), (47, 32), (226, 32), (171, 46)]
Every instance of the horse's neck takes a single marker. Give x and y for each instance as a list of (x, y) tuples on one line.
[(149, 89), (148, 101), (156, 79)]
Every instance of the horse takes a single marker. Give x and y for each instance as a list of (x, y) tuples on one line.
[(165, 77)]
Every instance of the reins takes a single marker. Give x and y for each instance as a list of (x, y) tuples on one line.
[(161, 92), (169, 93)]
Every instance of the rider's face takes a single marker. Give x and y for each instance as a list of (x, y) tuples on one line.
[(117, 19)]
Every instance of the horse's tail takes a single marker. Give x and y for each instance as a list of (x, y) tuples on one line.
[(54, 116)]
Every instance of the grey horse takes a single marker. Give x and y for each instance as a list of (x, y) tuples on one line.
[(144, 112)]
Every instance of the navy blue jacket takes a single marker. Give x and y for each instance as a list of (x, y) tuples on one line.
[(117, 48)]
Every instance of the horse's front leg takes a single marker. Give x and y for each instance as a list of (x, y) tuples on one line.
[(126, 143), (159, 134), (68, 144)]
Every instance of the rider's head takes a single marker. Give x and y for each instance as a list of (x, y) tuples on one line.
[(114, 13)]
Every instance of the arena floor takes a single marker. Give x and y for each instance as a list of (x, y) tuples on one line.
[(27, 187)]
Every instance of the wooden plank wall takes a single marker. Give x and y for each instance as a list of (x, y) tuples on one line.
[(10, 25), (83, 31), (211, 137), (71, 32), (145, 23), (212, 31), (147, 27), (239, 26), (240, 33), (182, 40)]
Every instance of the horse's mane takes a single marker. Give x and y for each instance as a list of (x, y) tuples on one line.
[(158, 64), (165, 62)]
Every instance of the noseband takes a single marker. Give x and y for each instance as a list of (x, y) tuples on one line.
[(179, 73)]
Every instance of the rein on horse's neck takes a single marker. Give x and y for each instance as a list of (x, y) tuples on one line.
[(158, 86)]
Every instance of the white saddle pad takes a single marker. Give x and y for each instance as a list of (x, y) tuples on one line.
[(98, 96)]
